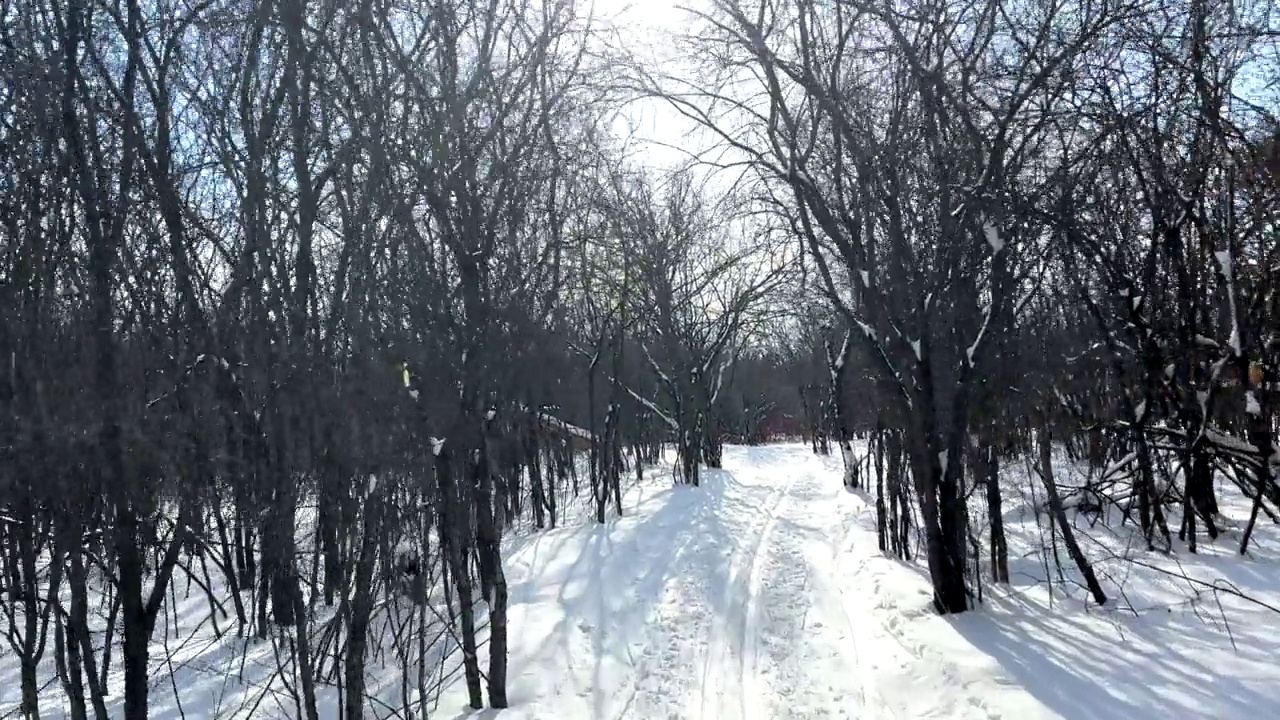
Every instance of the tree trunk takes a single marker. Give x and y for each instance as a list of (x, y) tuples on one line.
[(1043, 440), (71, 668), (989, 464), (712, 445), (493, 578), (899, 514), (453, 529), (837, 369), (1261, 437), (80, 642), (882, 517), (1199, 489), (306, 669), (936, 493), (25, 554), (533, 460), (30, 689), (137, 631), (362, 608)]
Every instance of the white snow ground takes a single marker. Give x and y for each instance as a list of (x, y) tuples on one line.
[(761, 595)]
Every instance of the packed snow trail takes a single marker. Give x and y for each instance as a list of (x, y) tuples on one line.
[(754, 596)]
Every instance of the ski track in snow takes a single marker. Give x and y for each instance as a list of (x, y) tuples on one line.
[(791, 592), (783, 612), (719, 668), (755, 599)]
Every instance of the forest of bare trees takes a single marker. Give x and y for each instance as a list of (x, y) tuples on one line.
[(1035, 222), (316, 301)]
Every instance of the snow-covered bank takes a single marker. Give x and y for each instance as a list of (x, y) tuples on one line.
[(1184, 635)]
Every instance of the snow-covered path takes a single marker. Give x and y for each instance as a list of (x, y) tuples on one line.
[(758, 595), (784, 618)]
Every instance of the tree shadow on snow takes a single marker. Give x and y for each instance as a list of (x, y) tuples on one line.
[(624, 585), (1091, 667)]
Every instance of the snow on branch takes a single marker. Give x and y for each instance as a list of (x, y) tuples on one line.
[(653, 408), (564, 427), (1229, 276), (993, 236)]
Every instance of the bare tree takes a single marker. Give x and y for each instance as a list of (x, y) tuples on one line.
[(694, 284)]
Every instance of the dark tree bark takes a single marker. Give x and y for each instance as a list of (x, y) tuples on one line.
[(1045, 449)]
